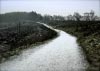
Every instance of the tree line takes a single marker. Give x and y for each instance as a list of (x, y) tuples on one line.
[(9, 19)]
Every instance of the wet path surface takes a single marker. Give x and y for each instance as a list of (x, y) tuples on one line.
[(60, 54)]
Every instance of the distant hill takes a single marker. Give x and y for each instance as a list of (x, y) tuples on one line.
[(10, 19), (19, 16)]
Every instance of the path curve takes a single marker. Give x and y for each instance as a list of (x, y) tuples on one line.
[(60, 54)]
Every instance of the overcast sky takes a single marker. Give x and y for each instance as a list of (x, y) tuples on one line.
[(51, 7)]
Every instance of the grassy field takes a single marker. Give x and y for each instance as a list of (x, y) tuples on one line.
[(88, 34)]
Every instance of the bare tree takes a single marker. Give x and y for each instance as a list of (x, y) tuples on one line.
[(77, 16), (70, 17), (86, 16), (92, 16), (89, 16)]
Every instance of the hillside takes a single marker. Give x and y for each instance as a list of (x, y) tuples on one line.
[(19, 16), (21, 36)]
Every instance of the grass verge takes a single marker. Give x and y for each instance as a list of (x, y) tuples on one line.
[(88, 37)]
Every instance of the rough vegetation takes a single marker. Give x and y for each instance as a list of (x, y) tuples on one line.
[(88, 33), (20, 36), (18, 30), (14, 34)]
